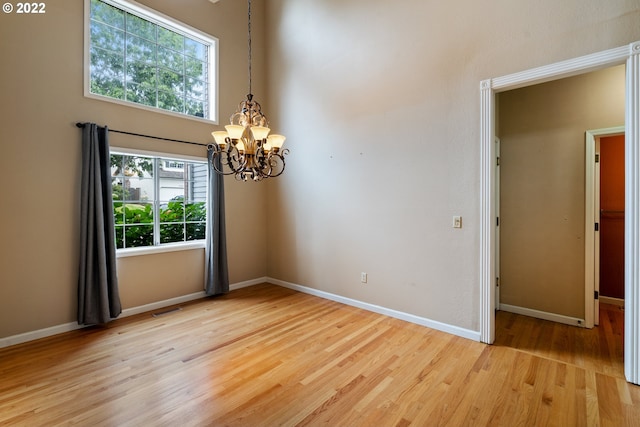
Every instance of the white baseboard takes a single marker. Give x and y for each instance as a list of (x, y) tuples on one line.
[(610, 300), (433, 324), (72, 326), (248, 283), (160, 304), (40, 333), (559, 318)]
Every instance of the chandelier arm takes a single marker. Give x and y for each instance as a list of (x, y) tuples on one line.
[(231, 158), (219, 171), (242, 160), (224, 160), (216, 152), (263, 163), (279, 159)]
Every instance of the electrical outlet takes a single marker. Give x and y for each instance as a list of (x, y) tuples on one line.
[(457, 222), (363, 277)]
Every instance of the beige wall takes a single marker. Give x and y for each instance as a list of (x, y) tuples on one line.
[(380, 103), (542, 162), (42, 98)]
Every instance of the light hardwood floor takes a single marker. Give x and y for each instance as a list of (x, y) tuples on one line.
[(269, 356)]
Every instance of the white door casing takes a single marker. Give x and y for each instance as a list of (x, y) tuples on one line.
[(629, 55), (497, 207), (595, 307)]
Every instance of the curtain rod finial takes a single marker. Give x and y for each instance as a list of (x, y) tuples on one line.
[(79, 125)]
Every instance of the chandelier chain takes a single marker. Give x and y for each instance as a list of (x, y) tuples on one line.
[(249, 41)]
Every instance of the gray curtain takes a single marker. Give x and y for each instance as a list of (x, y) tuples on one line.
[(98, 297), (216, 271)]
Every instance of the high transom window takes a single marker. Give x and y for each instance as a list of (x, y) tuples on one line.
[(136, 55)]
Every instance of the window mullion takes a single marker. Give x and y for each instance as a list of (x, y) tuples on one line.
[(186, 198), (156, 202)]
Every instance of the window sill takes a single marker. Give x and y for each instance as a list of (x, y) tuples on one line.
[(170, 247)]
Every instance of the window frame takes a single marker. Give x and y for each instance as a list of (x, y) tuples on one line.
[(162, 247), (165, 21)]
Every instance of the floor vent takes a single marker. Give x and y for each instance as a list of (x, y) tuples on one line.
[(169, 311)]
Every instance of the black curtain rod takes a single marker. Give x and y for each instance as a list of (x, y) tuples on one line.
[(81, 125)]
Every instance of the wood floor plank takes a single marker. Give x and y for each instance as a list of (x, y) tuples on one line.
[(270, 356)]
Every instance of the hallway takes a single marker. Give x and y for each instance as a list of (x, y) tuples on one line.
[(599, 349)]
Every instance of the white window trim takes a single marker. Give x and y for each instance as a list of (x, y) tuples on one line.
[(161, 19), (165, 247), (163, 154)]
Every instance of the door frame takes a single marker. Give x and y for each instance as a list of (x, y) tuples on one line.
[(591, 209), (629, 55), (497, 207)]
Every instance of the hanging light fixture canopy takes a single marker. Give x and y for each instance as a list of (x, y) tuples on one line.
[(246, 149)]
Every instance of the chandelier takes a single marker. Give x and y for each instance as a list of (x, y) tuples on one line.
[(245, 149)]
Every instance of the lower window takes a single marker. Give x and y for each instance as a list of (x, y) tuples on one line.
[(157, 200)]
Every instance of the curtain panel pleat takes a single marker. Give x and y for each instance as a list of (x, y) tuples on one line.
[(98, 296), (216, 271)]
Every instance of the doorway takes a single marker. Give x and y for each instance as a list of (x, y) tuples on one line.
[(629, 55), (610, 151), (604, 217), (542, 194)]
